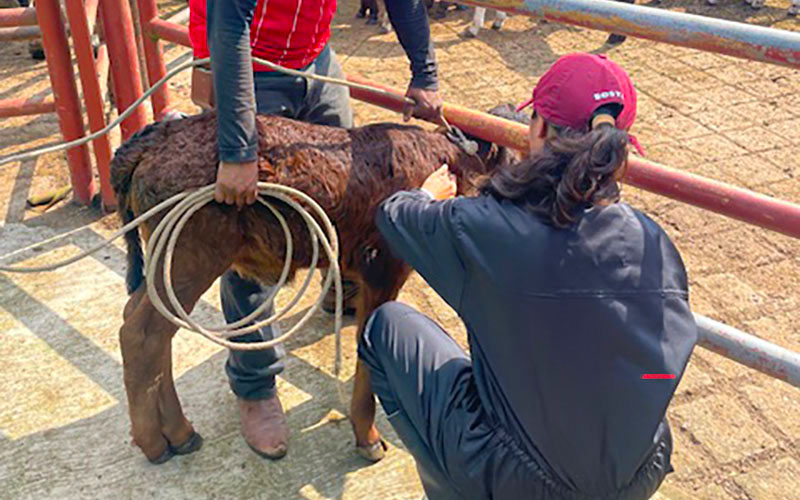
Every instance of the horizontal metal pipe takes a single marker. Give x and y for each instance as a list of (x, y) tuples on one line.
[(746, 41), (168, 31), (749, 350), (20, 33), (725, 199), (26, 106), (17, 16)]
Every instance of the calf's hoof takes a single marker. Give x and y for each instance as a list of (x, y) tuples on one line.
[(372, 20), (615, 39), (373, 452), (498, 24), (349, 293), (36, 51), (471, 31), (164, 457), (191, 445)]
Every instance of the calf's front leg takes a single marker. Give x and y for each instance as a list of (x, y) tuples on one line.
[(381, 282), (144, 342)]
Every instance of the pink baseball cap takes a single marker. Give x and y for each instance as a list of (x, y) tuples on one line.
[(576, 85)]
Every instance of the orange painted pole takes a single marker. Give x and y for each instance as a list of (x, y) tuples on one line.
[(154, 55), (17, 16), (92, 94), (26, 106), (121, 42), (19, 33), (62, 79)]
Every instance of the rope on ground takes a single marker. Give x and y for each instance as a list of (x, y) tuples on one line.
[(161, 246)]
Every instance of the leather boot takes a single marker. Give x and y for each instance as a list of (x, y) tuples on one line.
[(264, 426)]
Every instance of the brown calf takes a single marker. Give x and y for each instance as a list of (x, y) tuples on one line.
[(348, 172)]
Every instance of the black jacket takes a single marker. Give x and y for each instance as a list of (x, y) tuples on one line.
[(562, 323)]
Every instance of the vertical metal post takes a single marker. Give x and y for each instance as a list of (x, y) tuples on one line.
[(156, 68), (92, 96), (62, 79), (121, 42)]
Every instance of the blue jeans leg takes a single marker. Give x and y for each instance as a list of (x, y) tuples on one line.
[(251, 374), (418, 372)]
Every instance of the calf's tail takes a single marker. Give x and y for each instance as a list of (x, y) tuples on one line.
[(123, 165)]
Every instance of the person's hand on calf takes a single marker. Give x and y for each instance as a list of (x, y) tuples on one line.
[(237, 183), (441, 184)]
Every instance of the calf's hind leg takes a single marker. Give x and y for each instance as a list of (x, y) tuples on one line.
[(158, 425), (144, 339)]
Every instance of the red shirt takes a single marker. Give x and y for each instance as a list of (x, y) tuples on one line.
[(291, 33)]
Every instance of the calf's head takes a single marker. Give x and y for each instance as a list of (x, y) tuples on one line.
[(492, 156)]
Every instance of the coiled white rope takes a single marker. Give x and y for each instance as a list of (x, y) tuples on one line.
[(161, 247), (186, 204)]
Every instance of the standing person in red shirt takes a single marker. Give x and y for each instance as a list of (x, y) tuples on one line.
[(294, 34)]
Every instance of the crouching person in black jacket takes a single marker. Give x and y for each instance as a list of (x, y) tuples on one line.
[(576, 307)]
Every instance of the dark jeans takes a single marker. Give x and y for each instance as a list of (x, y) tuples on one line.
[(425, 384), (252, 373)]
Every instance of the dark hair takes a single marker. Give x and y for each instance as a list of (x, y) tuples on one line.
[(574, 171)]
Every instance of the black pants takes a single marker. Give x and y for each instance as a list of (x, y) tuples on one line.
[(425, 384), (252, 373)]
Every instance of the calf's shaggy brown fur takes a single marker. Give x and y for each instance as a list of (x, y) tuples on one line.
[(348, 172)]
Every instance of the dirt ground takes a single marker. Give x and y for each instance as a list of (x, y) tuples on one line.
[(63, 416)]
